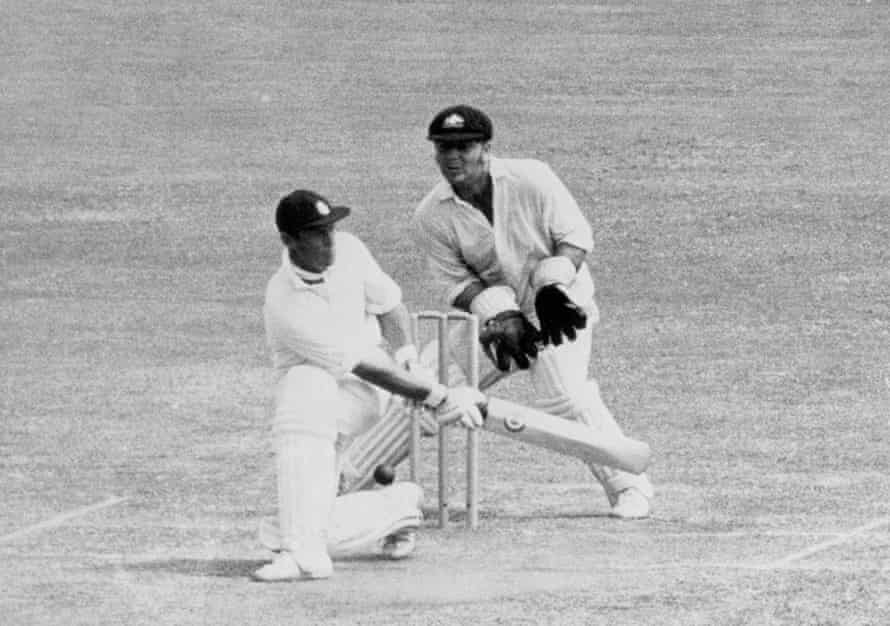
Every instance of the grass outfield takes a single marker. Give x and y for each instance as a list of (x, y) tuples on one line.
[(733, 159)]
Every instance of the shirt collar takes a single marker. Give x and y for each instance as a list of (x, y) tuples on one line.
[(300, 278)]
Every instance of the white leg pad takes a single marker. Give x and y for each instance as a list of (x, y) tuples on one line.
[(360, 521), (565, 393), (386, 443), (307, 409), (307, 483)]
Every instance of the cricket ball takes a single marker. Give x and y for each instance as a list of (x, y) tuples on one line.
[(384, 475)]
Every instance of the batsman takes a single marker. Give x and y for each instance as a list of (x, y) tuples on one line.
[(506, 240), (340, 338)]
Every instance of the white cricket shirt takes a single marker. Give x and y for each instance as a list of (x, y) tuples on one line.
[(533, 212), (331, 324)]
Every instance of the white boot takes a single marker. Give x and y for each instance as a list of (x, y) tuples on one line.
[(284, 568), (400, 545), (631, 503)]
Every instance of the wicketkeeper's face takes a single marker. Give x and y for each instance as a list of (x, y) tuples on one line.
[(462, 162)]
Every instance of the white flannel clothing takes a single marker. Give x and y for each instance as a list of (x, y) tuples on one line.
[(331, 324), (533, 212)]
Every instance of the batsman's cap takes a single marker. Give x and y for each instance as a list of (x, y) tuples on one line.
[(460, 123), (303, 209)]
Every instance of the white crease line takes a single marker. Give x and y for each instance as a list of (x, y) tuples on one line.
[(736, 565), (735, 534), (884, 521), (60, 519)]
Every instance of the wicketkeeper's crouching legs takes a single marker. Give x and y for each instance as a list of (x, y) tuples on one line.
[(562, 387), (559, 376)]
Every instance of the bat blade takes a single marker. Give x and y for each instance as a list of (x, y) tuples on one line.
[(537, 428)]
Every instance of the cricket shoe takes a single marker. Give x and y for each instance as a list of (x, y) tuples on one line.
[(313, 564), (382, 521), (631, 503), (399, 545)]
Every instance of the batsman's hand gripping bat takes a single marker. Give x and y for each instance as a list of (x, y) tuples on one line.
[(537, 428)]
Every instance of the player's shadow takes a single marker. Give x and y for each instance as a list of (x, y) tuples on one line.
[(459, 516), (222, 568), (228, 568), (542, 515)]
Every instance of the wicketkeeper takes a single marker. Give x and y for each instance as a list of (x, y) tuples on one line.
[(505, 240)]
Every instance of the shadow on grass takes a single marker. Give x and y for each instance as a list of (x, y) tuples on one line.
[(554, 515), (459, 516), (222, 568), (230, 568)]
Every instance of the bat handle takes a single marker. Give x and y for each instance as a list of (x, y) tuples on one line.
[(491, 378), (483, 408)]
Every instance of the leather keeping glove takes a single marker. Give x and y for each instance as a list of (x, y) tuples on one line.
[(509, 336), (558, 315), (461, 405)]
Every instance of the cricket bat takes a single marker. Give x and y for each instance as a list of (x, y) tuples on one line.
[(537, 428)]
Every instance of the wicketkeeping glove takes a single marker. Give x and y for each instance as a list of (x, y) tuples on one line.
[(509, 336), (558, 315)]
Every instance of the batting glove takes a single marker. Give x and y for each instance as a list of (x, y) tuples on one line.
[(461, 405), (406, 357)]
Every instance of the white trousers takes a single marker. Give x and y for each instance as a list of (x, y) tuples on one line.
[(563, 387)]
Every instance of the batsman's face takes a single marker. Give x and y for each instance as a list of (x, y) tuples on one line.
[(312, 249), (462, 162)]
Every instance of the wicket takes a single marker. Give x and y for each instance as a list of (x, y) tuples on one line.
[(443, 324)]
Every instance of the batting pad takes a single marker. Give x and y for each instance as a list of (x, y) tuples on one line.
[(306, 487), (361, 520), (388, 442)]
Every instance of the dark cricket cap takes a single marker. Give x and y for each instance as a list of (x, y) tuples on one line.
[(460, 123), (303, 209)]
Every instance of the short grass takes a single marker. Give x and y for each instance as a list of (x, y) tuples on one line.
[(732, 157)]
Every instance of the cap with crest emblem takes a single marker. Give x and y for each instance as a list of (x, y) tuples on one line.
[(302, 209), (460, 123)]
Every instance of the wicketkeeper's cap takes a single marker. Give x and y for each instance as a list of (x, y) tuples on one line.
[(460, 123), (302, 209)]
